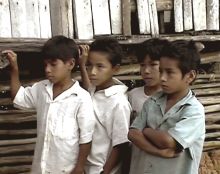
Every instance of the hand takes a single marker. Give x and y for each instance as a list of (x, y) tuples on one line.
[(78, 170), (83, 54), (169, 153), (12, 57)]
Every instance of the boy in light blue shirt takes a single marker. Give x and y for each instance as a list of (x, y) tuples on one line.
[(170, 129)]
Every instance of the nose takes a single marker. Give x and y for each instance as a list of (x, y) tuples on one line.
[(163, 77), (47, 68), (93, 71), (146, 69)]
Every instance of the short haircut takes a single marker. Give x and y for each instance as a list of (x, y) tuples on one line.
[(185, 52), (60, 47), (110, 46), (151, 48)]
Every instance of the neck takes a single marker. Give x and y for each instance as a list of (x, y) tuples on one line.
[(106, 85), (64, 84), (150, 90), (178, 95)]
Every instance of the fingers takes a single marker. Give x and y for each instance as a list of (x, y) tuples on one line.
[(11, 54), (83, 49)]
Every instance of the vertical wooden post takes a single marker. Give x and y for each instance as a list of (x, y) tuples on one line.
[(199, 14), (116, 18), (153, 18), (143, 16), (5, 21), (83, 19), (45, 23), (18, 18), (213, 14), (178, 15), (101, 18), (126, 17), (188, 21), (33, 22)]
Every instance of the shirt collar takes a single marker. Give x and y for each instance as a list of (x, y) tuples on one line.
[(119, 87), (159, 98), (73, 90)]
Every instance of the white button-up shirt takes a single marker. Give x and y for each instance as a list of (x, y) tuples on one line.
[(62, 124), (112, 111)]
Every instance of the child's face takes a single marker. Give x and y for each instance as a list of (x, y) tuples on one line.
[(100, 70), (150, 71), (57, 71), (172, 80)]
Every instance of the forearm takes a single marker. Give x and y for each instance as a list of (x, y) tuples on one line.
[(138, 139), (159, 138), (85, 78), (112, 160), (84, 150), (15, 82)]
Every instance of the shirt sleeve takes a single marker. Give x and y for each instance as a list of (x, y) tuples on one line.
[(191, 126), (141, 120), (120, 125), (26, 97), (86, 120)]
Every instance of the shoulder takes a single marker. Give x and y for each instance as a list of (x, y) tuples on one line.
[(81, 93), (136, 90)]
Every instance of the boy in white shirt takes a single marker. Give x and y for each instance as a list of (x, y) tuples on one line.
[(65, 120), (111, 106)]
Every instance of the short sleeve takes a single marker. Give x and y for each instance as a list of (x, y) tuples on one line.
[(86, 120), (141, 120), (121, 120), (191, 126), (26, 97)]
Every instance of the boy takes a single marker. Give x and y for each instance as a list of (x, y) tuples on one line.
[(148, 56), (170, 129), (65, 119), (112, 109)]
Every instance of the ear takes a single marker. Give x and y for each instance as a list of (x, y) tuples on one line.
[(116, 69), (190, 76), (71, 63)]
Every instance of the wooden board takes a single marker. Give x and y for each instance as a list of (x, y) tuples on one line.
[(178, 15), (5, 21), (126, 17), (143, 16), (213, 14), (83, 26), (32, 16), (18, 18), (187, 13), (101, 18), (116, 17), (199, 14), (153, 18), (45, 23)]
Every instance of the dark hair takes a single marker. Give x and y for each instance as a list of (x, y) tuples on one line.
[(60, 47), (110, 46), (185, 52), (151, 48)]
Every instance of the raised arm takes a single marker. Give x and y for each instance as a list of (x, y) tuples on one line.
[(15, 82), (84, 51)]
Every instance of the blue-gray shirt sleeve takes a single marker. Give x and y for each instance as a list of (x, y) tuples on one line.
[(140, 121)]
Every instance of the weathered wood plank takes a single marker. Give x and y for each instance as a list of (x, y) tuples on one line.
[(116, 16), (143, 16), (15, 149), (19, 132), (212, 108), (213, 14), (18, 18), (17, 142), (199, 14), (178, 15), (45, 21), (187, 13), (15, 159), (5, 21), (83, 28), (101, 18), (126, 17), (153, 18), (32, 16), (163, 5), (17, 119), (15, 169)]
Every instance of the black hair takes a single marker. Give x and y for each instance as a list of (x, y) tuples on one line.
[(185, 52), (110, 46), (151, 48), (60, 47)]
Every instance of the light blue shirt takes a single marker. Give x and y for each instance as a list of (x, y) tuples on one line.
[(185, 122)]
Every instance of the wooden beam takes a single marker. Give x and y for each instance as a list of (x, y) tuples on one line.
[(187, 13), (126, 17), (17, 142), (178, 15), (15, 169), (16, 149), (115, 15), (5, 21), (199, 14), (213, 14)]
